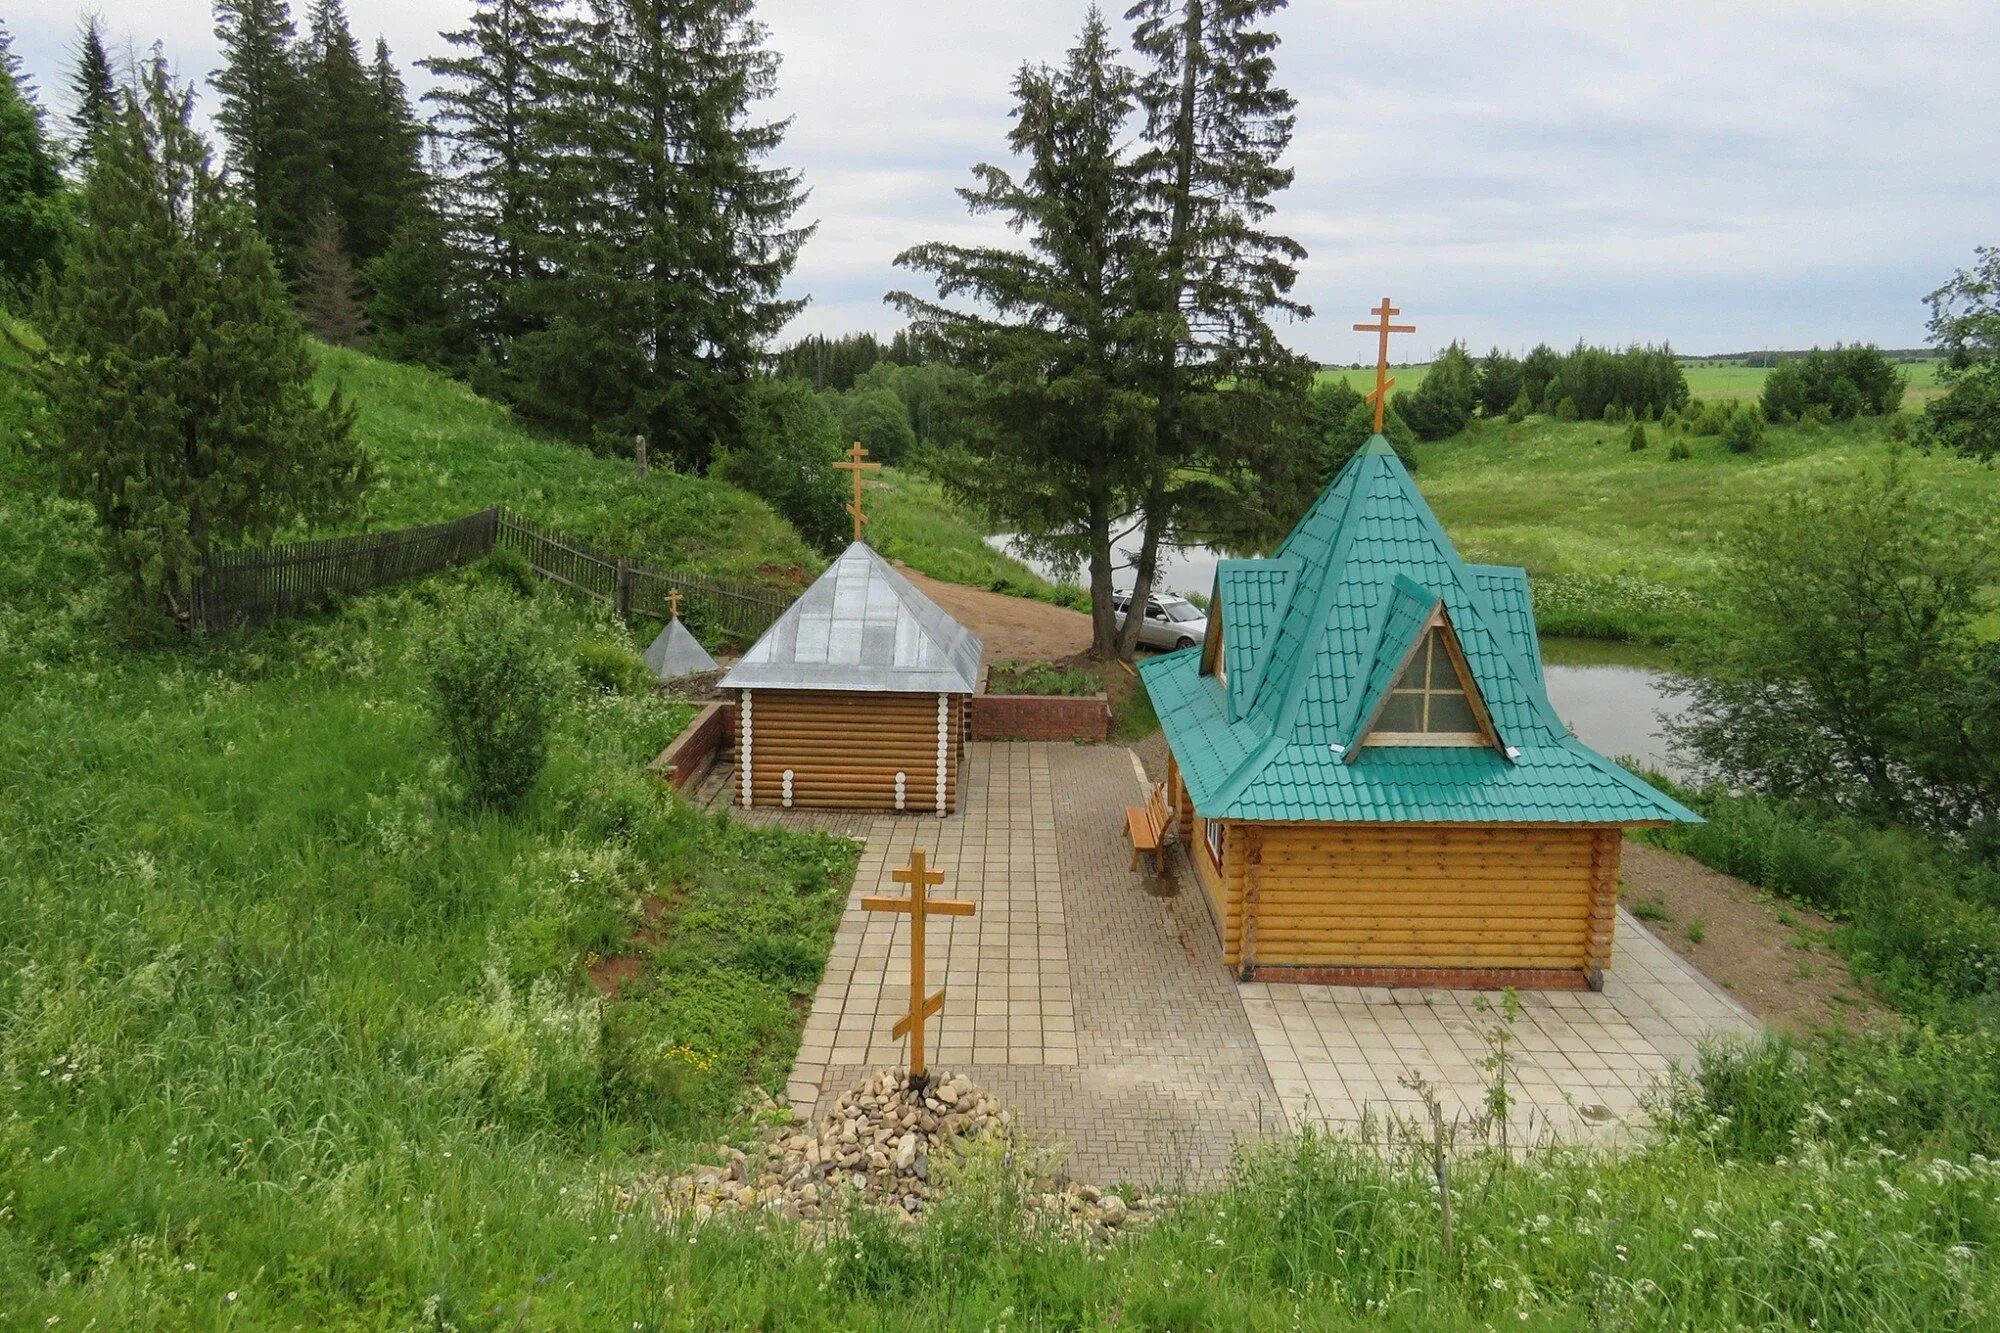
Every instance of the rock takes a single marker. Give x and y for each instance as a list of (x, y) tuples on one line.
[(702, 1212), (906, 1151), (1111, 1211)]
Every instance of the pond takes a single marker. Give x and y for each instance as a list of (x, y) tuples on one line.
[(1187, 570), (1613, 707)]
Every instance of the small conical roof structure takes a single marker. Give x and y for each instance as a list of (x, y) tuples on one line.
[(862, 626), (677, 653)]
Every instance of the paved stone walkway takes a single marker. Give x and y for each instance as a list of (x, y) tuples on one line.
[(1581, 1062), (1094, 1000)]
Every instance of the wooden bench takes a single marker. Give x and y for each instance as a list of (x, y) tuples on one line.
[(1148, 825)]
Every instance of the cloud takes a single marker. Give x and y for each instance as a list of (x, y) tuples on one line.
[(1726, 175)]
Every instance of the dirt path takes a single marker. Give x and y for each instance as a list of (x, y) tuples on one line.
[(1014, 628), (1773, 957)]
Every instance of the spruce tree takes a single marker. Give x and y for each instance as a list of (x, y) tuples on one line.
[(329, 296), (34, 201), (91, 89), (419, 297), (1227, 392), (493, 107), (671, 234), (362, 131), (267, 118), (14, 72), (1047, 323), (180, 384)]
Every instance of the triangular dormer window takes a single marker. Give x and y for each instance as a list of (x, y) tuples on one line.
[(1432, 700)]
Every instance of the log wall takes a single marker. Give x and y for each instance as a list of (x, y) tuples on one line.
[(1385, 896), (845, 747)]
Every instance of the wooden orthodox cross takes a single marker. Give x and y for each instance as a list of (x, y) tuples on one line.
[(674, 603), (857, 467), (919, 905), (1382, 381)]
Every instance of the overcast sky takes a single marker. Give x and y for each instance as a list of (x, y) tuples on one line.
[(1725, 175)]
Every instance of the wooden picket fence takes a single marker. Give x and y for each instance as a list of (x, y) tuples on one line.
[(261, 584)]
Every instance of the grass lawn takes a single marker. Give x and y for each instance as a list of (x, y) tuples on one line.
[(910, 518), (1705, 379)]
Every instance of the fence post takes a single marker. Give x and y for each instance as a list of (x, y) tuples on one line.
[(624, 592), (639, 452)]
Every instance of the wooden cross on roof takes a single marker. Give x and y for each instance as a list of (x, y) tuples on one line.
[(674, 603), (920, 906), (857, 467), (1380, 397)]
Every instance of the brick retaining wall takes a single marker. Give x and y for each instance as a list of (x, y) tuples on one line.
[(683, 763), (1039, 717)]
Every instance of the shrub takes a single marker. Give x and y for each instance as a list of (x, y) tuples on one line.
[(1440, 406), (1679, 452), (1566, 410), (612, 668), (1635, 439), (1847, 381), (1967, 420), (1745, 431), (791, 441), (511, 570), (495, 687), (1519, 410)]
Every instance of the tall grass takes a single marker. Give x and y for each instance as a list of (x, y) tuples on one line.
[(441, 450)]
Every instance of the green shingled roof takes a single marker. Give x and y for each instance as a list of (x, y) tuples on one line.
[(1313, 636)]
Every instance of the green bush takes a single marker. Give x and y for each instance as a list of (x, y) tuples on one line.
[(1566, 410), (513, 570), (1745, 431), (1518, 411), (495, 687), (1679, 452), (1635, 439), (612, 668)]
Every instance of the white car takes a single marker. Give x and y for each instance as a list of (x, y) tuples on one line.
[(1171, 622)]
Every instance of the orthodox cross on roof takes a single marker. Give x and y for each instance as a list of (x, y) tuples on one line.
[(920, 906), (1382, 381), (673, 603), (857, 467)]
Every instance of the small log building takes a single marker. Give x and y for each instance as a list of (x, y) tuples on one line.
[(1371, 783), (855, 699)]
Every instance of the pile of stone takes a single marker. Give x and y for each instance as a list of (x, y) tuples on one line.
[(881, 1144)]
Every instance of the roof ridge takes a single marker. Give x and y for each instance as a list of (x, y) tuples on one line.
[(1284, 720)]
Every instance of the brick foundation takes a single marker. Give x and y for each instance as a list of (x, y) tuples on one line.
[(683, 763), (1444, 978), (1039, 717)]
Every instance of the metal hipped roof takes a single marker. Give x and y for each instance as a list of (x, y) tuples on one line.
[(862, 626), (676, 653), (1319, 633)]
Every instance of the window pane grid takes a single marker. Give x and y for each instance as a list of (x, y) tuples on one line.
[(1428, 698)]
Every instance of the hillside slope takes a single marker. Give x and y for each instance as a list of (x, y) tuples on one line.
[(442, 450)]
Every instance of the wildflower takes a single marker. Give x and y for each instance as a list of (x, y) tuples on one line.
[(1499, 1284), (187, 1267), (1700, 1234), (1963, 1252), (230, 1298)]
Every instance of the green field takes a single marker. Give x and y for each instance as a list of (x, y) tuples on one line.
[(1707, 380)]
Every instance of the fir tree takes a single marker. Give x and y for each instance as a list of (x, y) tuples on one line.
[(15, 73), (267, 118), (363, 132), (329, 296), (1047, 323), (91, 89), (420, 297), (671, 235), (492, 108), (34, 201), (180, 384), (1227, 392)]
